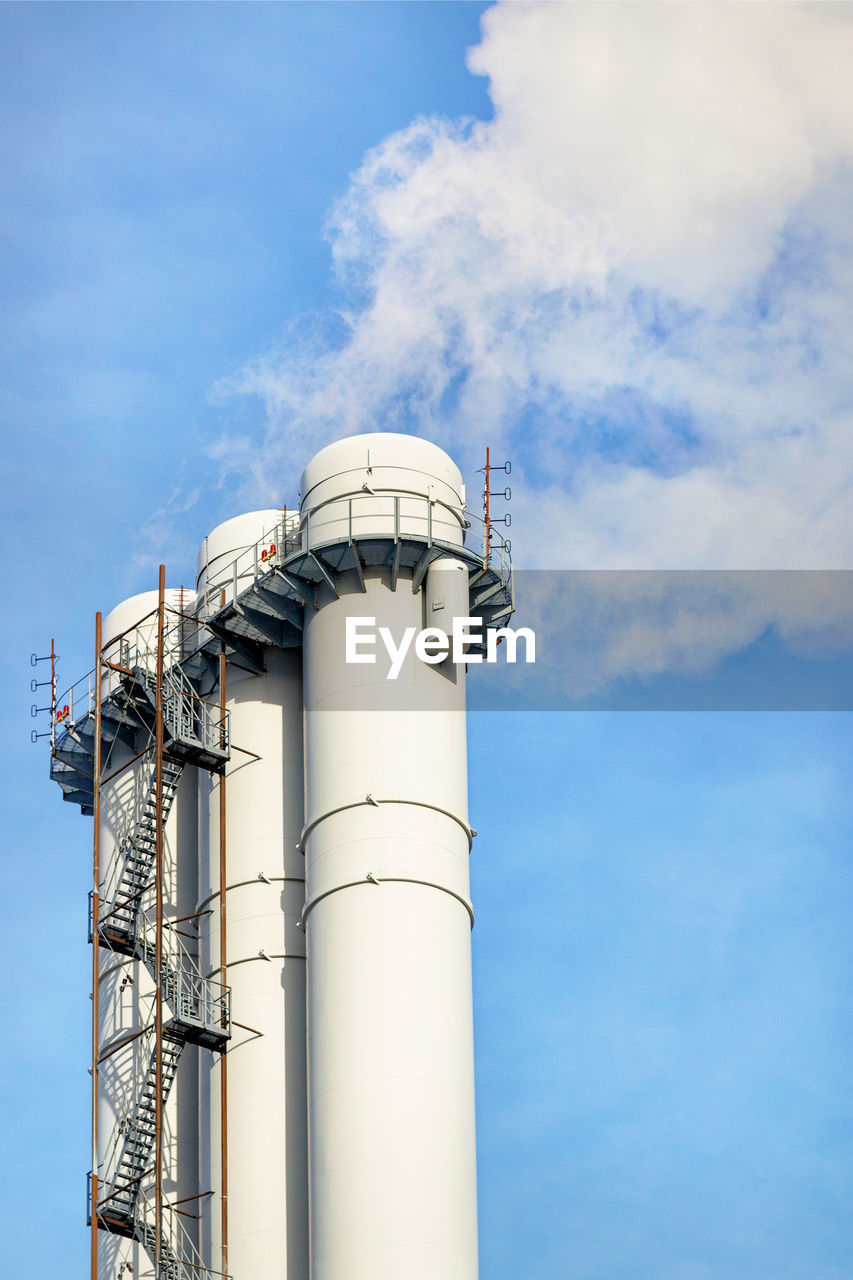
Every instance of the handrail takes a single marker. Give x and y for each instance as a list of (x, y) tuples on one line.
[(181, 971), (277, 544), (179, 1244), (291, 534), (128, 1122)]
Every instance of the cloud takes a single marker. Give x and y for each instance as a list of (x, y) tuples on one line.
[(619, 632), (635, 279), (161, 537)]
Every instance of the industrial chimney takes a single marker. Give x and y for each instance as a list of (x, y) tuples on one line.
[(275, 759)]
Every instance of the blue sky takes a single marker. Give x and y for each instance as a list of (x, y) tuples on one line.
[(614, 243), (662, 973)]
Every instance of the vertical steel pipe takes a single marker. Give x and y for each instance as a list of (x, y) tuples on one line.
[(158, 944), (392, 1164), (254, 1143), (223, 969), (96, 959)]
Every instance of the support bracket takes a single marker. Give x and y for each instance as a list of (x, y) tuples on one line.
[(283, 608), (419, 572), (306, 592), (358, 566), (249, 650), (325, 571)]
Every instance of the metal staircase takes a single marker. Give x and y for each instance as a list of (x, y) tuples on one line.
[(179, 1258), (129, 1213), (196, 731), (199, 1008), (258, 602), (117, 1210), (172, 1266), (118, 924), (196, 1010)]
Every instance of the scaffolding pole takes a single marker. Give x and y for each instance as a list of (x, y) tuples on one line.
[(96, 964), (223, 964), (158, 944)]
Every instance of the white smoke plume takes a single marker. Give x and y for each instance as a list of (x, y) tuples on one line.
[(635, 279)]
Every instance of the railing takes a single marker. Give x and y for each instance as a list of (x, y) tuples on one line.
[(193, 998), (348, 517), (125, 843), (186, 715), (78, 700), (73, 704), (112, 1155), (128, 1123), (253, 563), (179, 1256), (109, 898), (351, 517)]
